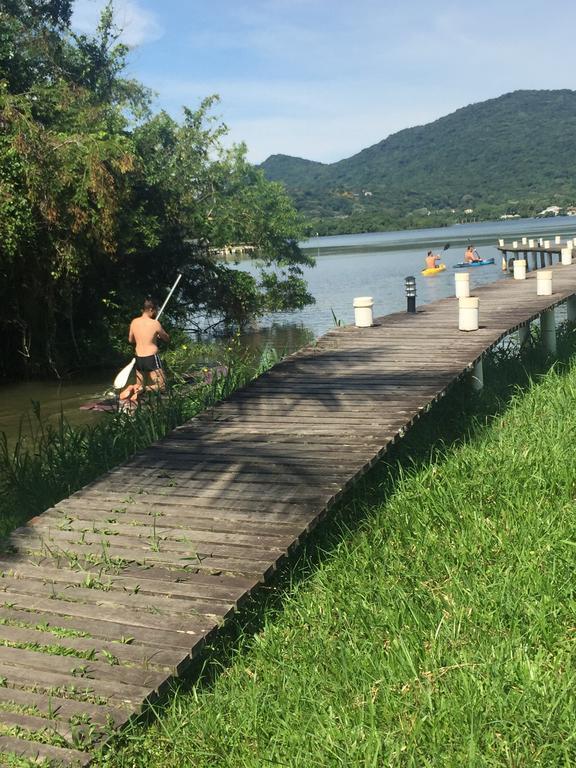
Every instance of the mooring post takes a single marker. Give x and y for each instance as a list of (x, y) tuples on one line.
[(363, 311), (477, 376), (524, 334), (548, 330), (571, 309)]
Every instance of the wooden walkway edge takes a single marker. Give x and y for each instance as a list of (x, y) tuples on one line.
[(115, 590)]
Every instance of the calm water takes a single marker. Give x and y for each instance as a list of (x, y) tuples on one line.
[(372, 264)]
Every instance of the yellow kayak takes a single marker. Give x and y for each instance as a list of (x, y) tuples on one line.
[(430, 271)]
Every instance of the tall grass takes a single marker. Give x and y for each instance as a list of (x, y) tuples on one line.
[(429, 624), (50, 461)]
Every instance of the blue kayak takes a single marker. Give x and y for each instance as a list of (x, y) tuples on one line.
[(481, 263)]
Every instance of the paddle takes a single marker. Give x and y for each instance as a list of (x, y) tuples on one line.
[(122, 377)]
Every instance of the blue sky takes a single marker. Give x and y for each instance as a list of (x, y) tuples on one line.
[(323, 79)]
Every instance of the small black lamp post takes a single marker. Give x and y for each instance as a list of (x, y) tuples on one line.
[(410, 286)]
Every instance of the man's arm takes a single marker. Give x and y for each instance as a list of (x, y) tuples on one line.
[(131, 338), (162, 334)]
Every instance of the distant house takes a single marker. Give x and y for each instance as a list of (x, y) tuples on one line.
[(552, 210), (468, 210), (510, 216), (571, 211)]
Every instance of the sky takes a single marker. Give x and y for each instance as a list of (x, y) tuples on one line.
[(323, 79)]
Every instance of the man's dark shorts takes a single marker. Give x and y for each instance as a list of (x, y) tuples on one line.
[(148, 364)]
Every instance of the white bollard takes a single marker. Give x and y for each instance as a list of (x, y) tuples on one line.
[(515, 244), (477, 377), (548, 330), (567, 256), (569, 243), (363, 311), (571, 309), (519, 269), (524, 334), (468, 313), (524, 240), (501, 243), (462, 281), (557, 240), (544, 282), (531, 243), (546, 243)]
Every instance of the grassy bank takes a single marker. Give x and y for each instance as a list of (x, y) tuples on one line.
[(50, 461), (430, 624)]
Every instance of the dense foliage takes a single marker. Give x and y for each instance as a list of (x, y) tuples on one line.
[(513, 154), (102, 202)]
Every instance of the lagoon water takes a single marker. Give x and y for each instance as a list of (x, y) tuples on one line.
[(373, 264)]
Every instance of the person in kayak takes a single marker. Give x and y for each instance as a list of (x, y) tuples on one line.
[(431, 260), (145, 332), (471, 255)]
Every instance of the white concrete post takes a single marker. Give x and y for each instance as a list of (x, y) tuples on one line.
[(468, 313), (546, 243), (363, 311), (501, 243), (531, 243), (462, 283), (524, 334), (566, 255), (548, 330), (524, 240), (519, 269), (477, 377), (544, 282), (515, 244), (557, 240), (571, 309)]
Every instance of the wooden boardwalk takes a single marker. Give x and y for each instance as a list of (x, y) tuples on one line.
[(131, 574)]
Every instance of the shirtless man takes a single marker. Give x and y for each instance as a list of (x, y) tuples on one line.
[(471, 254), (431, 260), (144, 333)]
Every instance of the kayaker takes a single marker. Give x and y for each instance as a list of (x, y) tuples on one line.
[(145, 332), (431, 260), (471, 255)]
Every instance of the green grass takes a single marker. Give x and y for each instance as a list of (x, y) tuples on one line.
[(430, 623)]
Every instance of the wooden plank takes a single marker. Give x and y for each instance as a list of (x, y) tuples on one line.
[(33, 750), (62, 709), (47, 615)]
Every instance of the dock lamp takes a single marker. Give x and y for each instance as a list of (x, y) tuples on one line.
[(410, 287)]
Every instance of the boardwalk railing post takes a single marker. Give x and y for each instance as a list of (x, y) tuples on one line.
[(468, 313), (519, 269), (571, 309), (462, 285), (566, 256), (548, 330), (363, 311), (544, 282), (410, 288), (477, 377), (524, 334)]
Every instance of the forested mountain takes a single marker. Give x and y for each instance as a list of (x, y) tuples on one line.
[(515, 153)]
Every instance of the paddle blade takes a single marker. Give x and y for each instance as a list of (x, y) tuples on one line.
[(124, 375)]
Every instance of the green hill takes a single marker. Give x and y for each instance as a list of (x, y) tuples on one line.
[(512, 154)]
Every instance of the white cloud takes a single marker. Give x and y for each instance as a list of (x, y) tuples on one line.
[(138, 24)]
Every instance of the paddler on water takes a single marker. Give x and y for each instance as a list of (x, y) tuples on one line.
[(431, 260), (471, 255), (145, 332)]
